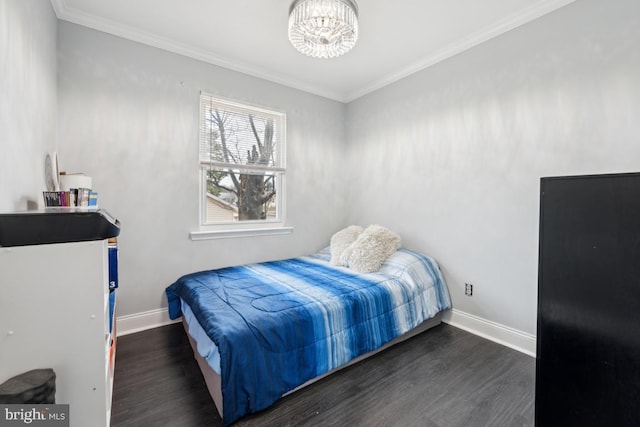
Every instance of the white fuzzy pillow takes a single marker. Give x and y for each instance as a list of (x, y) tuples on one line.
[(341, 240), (372, 247)]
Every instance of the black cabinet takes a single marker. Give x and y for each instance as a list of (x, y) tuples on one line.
[(588, 338)]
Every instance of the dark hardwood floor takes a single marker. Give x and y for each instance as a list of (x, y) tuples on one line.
[(444, 377)]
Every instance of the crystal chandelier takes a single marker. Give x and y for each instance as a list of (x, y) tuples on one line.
[(323, 28)]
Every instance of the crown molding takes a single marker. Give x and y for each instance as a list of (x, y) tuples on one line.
[(134, 34), (487, 33), (91, 21)]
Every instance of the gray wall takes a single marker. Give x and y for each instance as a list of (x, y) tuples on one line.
[(129, 118), (27, 99), (454, 153)]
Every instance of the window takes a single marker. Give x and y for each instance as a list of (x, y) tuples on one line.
[(242, 163)]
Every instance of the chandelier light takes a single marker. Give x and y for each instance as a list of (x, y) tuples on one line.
[(323, 28)]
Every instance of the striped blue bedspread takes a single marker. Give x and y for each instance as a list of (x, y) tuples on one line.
[(279, 324)]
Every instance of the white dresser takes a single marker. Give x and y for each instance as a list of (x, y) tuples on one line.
[(54, 313)]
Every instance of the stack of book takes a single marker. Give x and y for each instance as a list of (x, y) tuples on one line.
[(75, 197)]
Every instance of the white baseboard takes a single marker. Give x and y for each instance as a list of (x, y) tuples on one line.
[(142, 321), (512, 338)]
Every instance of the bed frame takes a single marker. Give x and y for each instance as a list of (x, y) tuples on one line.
[(212, 379)]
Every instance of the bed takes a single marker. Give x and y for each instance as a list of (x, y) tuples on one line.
[(260, 331)]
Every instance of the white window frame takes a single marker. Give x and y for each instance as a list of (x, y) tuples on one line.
[(245, 228)]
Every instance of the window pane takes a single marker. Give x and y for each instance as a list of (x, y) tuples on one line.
[(242, 156), (232, 135), (241, 195)]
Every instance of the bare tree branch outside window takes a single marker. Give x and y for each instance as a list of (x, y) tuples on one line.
[(241, 151)]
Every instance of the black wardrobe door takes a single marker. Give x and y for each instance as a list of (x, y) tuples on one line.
[(588, 338)]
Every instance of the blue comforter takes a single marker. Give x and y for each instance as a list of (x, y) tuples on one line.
[(279, 324)]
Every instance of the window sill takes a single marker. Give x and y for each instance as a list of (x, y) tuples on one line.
[(245, 232)]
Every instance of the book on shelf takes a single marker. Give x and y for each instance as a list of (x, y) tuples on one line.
[(74, 197), (93, 199), (83, 197), (55, 198)]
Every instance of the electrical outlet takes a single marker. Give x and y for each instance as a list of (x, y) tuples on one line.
[(468, 289)]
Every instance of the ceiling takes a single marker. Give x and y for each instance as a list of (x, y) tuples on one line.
[(397, 38)]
